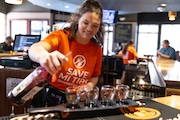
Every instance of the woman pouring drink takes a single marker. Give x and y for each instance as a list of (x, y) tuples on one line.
[(82, 41)]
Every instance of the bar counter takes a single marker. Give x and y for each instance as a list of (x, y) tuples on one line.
[(154, 109), (172, 101), (12, 54), (169, 71)]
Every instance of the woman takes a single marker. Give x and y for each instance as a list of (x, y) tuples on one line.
[(83, 39), (128, 53)]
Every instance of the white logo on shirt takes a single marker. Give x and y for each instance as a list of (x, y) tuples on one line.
[(79, 61)]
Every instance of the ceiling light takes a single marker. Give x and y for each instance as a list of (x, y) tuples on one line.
[(161, 9), (122, 18), (48, 4), (66, 6), (172, 15), (163, 5), (17, 2)]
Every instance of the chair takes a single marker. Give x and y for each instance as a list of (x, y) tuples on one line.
[(177, 56)]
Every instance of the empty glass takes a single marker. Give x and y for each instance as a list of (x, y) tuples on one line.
[(92, 96), (107, 94), (72, 97), (122, 92)]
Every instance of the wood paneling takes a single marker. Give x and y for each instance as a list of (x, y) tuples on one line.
[(5, 105)]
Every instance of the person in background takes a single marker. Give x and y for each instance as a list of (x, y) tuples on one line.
[(6, 45), (128, 53), (84, 39), (167, 51)]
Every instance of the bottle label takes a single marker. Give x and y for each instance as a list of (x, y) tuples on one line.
[(27, 81), (31, 93)]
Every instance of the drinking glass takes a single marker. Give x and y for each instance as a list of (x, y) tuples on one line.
[(72, 97), (92, 96), (122, 92), (107, 94)]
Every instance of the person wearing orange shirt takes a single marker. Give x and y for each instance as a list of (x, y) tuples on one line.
[(84, 39), (127, 54)]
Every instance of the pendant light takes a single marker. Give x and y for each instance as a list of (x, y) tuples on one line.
[(172, 15), (16, 2)]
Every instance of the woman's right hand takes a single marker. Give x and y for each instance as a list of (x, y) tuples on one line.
[(53, 61)]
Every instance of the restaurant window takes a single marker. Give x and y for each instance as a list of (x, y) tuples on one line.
[(171, 33), (3, 27), (108, 40), (18, 27), (33, 27), (147, 39), (39, 27)]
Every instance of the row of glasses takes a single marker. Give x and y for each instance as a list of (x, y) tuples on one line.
[(90, 95), (87, 94), (111, 93)]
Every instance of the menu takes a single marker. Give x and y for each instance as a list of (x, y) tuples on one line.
[(123, 32)]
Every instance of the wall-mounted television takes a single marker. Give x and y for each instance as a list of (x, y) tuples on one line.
[(109, 16), (23, 42)]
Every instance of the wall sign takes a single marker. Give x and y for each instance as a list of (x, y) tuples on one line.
[(123, 33)]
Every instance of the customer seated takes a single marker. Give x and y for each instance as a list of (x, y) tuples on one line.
[(167, 51)]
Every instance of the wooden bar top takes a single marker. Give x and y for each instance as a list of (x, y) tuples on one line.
[(172, 101), (12, 54), (169, 69)]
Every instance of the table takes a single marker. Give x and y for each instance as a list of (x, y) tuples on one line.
[(172, 101)]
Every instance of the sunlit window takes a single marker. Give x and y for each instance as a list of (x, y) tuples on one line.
[(108, 40), (2, 28), (39, 27), (18, 27), (33, 27), (147, 40), (171, 33)]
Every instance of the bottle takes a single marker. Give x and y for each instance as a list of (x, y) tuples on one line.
[(31, 85)]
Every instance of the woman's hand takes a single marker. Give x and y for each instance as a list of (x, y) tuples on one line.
[(53, 61)]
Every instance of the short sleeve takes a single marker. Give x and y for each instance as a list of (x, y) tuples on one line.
[(55, 39)]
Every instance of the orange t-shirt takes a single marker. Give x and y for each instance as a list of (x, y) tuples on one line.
[(84, 62), (131, 54)]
